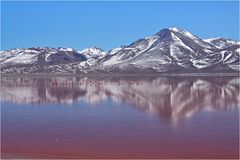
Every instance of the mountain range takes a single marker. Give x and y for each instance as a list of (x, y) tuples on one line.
[(170, 50)]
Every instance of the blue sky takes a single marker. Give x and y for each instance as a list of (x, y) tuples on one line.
[(111, 24)]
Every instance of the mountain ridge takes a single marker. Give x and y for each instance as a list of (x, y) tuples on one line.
[(167, 51)]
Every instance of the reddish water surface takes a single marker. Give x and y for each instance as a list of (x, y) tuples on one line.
[(123, 117)]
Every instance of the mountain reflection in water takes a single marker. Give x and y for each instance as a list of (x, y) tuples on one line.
[(168, 97)]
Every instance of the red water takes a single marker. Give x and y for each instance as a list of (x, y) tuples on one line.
[(150, 127)]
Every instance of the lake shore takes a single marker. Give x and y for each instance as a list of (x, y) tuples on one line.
[(121, 75)]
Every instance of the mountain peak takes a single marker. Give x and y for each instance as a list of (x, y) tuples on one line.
[(221, 43), (167, 32), (171, 29), (66, 49), (175, 29), (93, 49), (175, 33), (93, 52)]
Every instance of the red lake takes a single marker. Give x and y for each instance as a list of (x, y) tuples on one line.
[(120, 117)]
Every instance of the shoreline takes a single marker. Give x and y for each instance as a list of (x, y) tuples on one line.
[(122, 74)]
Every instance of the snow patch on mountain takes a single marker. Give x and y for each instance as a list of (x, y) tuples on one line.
[(47, 56), (66, 49), (238, 50), (178, 42), (115, 50), (188, 35), (18, 56), (221, 43), (93, 52), (22, 58), (199, 63)]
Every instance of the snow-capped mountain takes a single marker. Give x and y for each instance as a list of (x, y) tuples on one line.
[(39, 56), (38, 59), (93, 52), (169, 50), (172, 50), (93, 55), (222, 43)]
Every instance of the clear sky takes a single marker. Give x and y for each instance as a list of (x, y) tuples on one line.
[(111, 24)]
